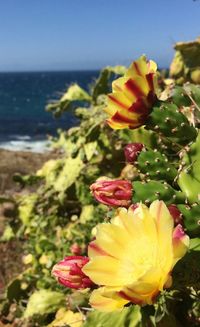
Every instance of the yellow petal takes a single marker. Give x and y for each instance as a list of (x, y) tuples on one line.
[(164, 224), (104, 271), (152, 66), (106, 300), (138, 67)]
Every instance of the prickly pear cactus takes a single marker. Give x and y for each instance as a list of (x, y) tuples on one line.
[(155, 165), (148, 192), (167, 120), (189, 178)]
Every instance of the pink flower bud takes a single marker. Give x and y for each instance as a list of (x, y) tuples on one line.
[(176, 214), (112, 192), (75, 249), (69, 272), (132, 150)]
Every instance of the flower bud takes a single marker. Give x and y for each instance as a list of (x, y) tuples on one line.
[(132, 150), (75, 249), (112, 192), (69, 272), (176, 214)]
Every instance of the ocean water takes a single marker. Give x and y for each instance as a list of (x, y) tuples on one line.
[(24, 123)]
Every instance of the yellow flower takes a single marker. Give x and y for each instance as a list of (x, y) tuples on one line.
[(133, 95), (133, 256)]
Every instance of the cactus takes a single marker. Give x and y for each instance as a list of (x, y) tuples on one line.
[(154, 190), (189, 178), (170, 122), (156, 165), (191, 218)]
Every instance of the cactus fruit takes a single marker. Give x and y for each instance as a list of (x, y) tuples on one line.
[(156, 165), (189, 178), (154, 190), (191, 218), (132, 150), (170, 122)]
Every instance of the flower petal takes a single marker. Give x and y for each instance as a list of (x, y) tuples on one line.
[(164, 224), (106, 300), (180, 243)]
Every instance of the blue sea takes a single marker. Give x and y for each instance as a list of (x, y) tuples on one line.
[(24, 123)]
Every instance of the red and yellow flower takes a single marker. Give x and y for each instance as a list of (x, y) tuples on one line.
[(112, 192), (69, 272), (133, 95), (133, 256)]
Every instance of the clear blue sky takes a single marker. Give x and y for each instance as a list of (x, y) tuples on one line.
[(89, 34)]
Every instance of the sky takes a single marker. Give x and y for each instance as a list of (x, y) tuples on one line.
[(46, 35)]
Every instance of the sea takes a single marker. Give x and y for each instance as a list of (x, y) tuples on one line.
[(24, 123)]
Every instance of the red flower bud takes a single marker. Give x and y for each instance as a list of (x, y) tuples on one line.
[(132, 150), (69, 272), (75, 249), (112, 192), (176, 214)]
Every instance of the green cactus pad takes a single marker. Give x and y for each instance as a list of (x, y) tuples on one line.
[(154, 190), (189, 178), (156, 165), (170, 122), (191, 217)]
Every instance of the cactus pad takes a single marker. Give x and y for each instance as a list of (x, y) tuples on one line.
[(154, 190), (189, 178), (156, 165), (191, 218), (170, 122)]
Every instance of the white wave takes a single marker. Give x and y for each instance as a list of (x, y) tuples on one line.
[(23, 145)]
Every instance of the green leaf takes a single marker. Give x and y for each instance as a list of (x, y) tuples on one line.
[(26, 207), (73, 94), (43, 302), (68, 174), (87, 213), (129, 317), (90, 149), (195, 244), (8, 234)]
